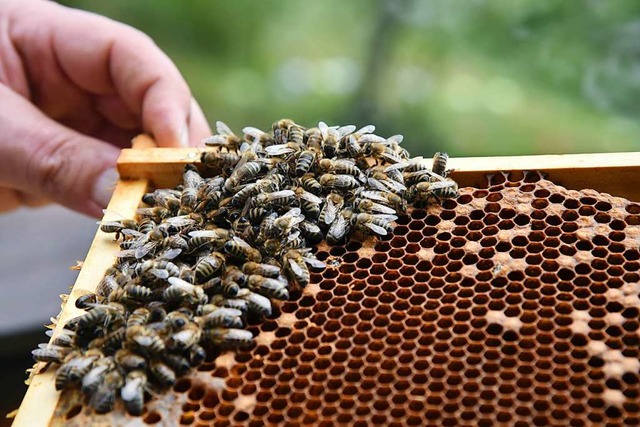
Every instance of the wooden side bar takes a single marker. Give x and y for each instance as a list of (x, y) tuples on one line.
[(41, 399), (614, 173)]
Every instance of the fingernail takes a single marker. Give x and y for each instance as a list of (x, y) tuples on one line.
[(104, 186), (184, 136)]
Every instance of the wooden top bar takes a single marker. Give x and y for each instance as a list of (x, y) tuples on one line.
[(614, 173)]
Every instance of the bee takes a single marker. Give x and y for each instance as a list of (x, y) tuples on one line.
[(342, 166), (242, 173), (233, 279), (369, 206), (389, 199), (50, 353), (271, 288), (158, 268), (378, 223), (208, 239), (222, 301), (118, 226), (255, 215), (166, 199), (104, 397), (267, 270), (183, 292), (334, 203), (314, 139), (138, 292), (275, 199), (92, 379), (311, 232), (219, 161), (139, 316), (440, 163), (178, 363), (86, 301), (243, 228), (129, 361), (309, 202), (256, 303), (75, 367), (225, 138), (295, 265), (228, 337), (380, 181), (285, 223), (101, 315), (155, 214), (186, 273), (339, 182), (254, 135), (163, 374), (185, 338), (208, 265), (309, 183), (111, 342), (132, 393), (144, 340), (423, 191), (331, 137), (340, 227), (221, 317), (241, 250), (285, 130), (305, 161), (62, 339), (197, 355), (384, 151)]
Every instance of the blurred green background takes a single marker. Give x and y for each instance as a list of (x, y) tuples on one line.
[(473, 77)]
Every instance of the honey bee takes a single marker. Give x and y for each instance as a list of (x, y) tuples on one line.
[(339, 182), (340, 227), (132, 393), (163, 374), (86, 301), (342, 166), (295, 265), (103, 398), (311, 232), (309, 183), (219, 161), (118, 226), (423, 191), (285, 130), (267, 270), (378, 223), (271, 288), (110, 343), (225, 138), (242, 173), (166, 199), (221, 317), (50, 354), (179, 364), (158, 268), (283, 224), (331, 137), (369, 206), (228, 337), (390, 199), (309, 202), (222, 301), (233, 279), (305, 161), (197, 355), (185, 338), (275, 199), (384, 151), (155, 214), (440, 163), (101, 315), (183, 292), (75, 367), (129, 361), (333, 205), (209, 265), (256, 303), (92, 379), (253, 134), (241, 250), (314, 139), (255, 215), (380, 181), (208, 239), (138, 292), (144, 340)]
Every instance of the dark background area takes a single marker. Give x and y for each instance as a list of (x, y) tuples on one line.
[(476, 77)]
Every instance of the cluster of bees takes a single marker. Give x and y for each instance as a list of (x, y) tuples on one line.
[(203, 259)]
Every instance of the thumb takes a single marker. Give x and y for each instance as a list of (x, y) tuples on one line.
[(44, 159)]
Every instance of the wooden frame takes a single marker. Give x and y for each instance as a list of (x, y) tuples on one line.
[(147, 167)]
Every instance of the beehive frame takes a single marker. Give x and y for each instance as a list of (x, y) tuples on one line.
[(145, 167)]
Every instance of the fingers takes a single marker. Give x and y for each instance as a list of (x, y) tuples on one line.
[(41, 159), (198, 126), (107, 58)]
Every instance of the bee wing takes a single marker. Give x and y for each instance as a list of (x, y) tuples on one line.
[(142, 251), (331, 211), (394, 185), (223, 129), (391, 157), (215, 141), (204, 233), (110, 212), (366, 129), (372, 195), (253, 132), (179, 283), (295, 268), (293, 212), (406, 163), (386, 217), (324, 129), (179, 221), (376, 228), (345, 130), (160, 274), (127, 253), (371, 138), (279, 149), (314, 262), (310, 197), (397, 139), (293, 236), (377, 207), (376, 184), (440, 184), (170, 254), (282, 193), (338, 227), (241, 242)]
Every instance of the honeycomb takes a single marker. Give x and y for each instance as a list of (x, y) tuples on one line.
[(515, 304)]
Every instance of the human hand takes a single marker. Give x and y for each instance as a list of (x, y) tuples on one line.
[(76, 87)]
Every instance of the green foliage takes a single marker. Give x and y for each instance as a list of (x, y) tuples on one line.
[(475, 77)]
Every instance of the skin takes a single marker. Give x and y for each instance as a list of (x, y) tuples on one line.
[(75, 88)]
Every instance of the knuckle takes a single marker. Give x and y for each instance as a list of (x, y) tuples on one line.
[(51, 166)]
